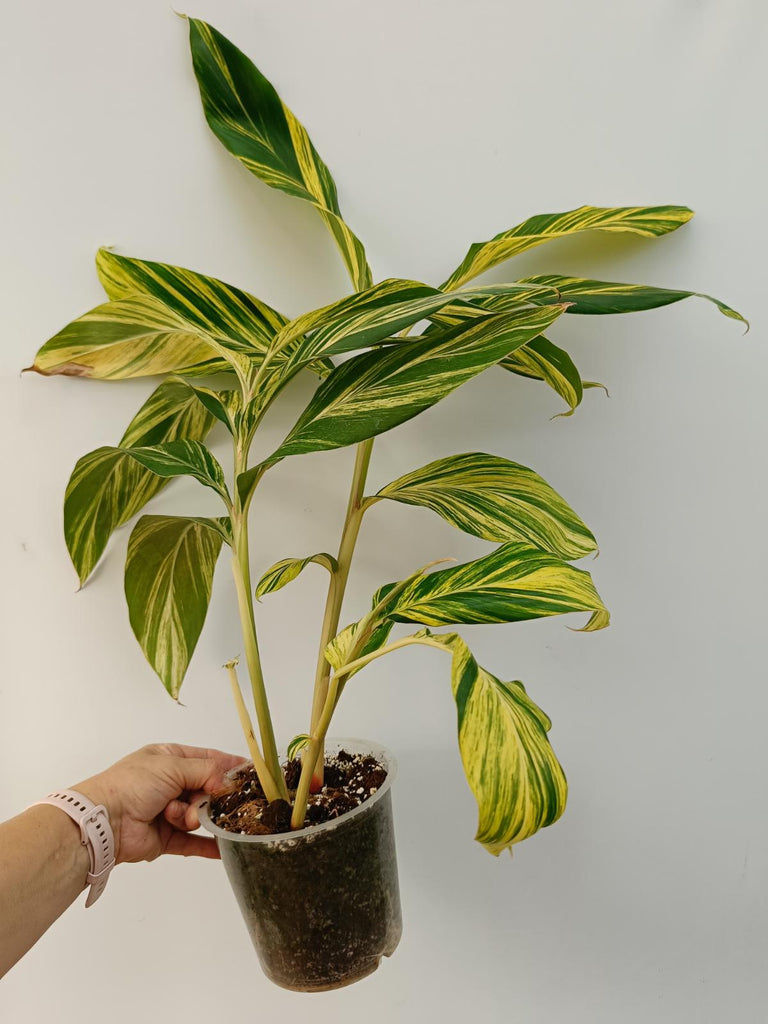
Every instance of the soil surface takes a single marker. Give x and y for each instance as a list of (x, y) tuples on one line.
[(349, 780)]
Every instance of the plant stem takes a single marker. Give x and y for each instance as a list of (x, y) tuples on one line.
[(338, 583), (317, 739), (241, 571), (265, 776), (313, 754), (242, 574), (361, 278), (358, 663)]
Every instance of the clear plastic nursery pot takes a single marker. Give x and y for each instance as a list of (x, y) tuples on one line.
[(322, 904)]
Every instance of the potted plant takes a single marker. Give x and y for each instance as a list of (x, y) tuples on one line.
[(307, 839)]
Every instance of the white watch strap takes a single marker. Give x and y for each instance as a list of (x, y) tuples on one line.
[(95, 833)]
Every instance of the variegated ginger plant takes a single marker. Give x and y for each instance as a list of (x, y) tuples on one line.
[(164, 320)]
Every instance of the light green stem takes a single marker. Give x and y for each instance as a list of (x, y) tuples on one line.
[(241, 571), (265, 776), (366, 659), (316, 744), (339, 580), (242, 576), (361, 279), (313, 754)]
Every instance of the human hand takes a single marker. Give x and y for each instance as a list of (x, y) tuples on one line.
[(152, 796)]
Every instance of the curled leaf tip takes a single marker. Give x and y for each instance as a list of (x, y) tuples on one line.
[(599, 619), (184, 17), (437, 561), (559, 415)]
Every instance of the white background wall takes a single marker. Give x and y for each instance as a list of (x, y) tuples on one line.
[(444, 122)]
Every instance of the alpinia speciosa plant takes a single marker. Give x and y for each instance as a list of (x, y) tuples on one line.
[(162, 320)]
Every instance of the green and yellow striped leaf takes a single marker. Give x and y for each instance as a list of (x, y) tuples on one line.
[(372, 631), (171, 411), (248, 117), (508, 761), (648, 221), (498, 500), (225, 405), (590, 297), (183, 458), (211, 307), (360, 320), (539, 359), (378, 390), (137, 336), (542, 360), (511, 584), (287, 569), (356, 640), (168, 580), (561, 374), (479, 300), (107, 487), (297, 744), (161, 319)]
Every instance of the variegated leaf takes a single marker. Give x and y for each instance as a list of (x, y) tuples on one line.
[(161, 319), (648, 221), (359, 320), (212, 305), (377, 390), (208, 305), (479, 300), (542, 360), (287, 569), (248, 117), (508, 761), (137, 336), (372, 631), (513, 583), (498, 500), (168, 580), (225, 405), (356, 640), (171, 412), (297, 744), (539, 359), (108, 487), (183, 458), (601, 297)]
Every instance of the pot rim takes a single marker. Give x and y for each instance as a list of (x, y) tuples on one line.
[(354, 746)]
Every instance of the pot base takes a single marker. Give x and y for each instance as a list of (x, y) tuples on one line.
[(331, 986)]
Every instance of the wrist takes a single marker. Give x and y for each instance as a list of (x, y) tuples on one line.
[(60, 833), (99, 791)]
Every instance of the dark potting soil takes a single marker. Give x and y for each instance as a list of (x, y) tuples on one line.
[(349, 780)]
